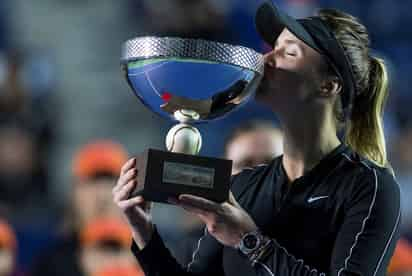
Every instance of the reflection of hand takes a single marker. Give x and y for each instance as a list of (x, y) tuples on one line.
[(174, 103), (227, 222), (136, 209), (228, 99), (230, 95)]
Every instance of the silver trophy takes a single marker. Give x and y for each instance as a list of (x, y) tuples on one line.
[(188, 81)]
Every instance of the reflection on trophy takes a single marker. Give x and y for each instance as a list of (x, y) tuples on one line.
[(188, 81)]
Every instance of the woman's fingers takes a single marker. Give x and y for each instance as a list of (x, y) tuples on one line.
[(199, 203), (203, 208), (130, 174), (128, 165), (124, 179), (194, 210), (136, 205), (123, 192), (132, 202)]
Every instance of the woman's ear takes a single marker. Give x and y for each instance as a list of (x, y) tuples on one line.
[(330, 86)]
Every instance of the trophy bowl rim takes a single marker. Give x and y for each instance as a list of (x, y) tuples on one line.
[(152, 47)]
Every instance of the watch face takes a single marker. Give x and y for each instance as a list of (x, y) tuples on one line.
[(250, 241)]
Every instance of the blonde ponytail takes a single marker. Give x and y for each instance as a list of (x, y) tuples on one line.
[(365, 129)]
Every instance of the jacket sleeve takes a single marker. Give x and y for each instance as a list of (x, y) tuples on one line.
[(366, 240), (156, 259), (207, 259)]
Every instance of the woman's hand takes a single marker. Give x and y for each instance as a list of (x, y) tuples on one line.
[(136, 209), (227, 221)]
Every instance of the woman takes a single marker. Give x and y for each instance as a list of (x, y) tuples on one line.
[(325, 206)]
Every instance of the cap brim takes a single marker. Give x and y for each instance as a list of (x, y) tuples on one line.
[(270, 22)]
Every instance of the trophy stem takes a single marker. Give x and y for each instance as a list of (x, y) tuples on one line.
[(183, 137)]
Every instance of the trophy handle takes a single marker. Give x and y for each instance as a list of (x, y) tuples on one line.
[(183, 137)]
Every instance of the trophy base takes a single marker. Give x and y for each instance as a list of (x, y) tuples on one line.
[(163, 174)]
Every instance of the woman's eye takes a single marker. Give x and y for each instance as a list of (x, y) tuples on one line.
[(293, 54)]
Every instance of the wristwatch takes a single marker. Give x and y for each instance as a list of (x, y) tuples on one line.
[(250, 242)]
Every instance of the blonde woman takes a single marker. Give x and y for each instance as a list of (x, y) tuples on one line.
[(330, 204)]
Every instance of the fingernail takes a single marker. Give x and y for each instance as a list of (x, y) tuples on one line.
[(183, 197)]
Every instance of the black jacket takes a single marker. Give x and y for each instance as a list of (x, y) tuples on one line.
[(340, 218)]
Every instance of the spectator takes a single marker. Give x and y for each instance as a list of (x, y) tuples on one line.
[(7, 249), (185, 18), (22, 181), (120, 271), (252, 144), (95, 168), (26, 137), (105, 243)]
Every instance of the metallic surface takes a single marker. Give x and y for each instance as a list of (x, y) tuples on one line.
[(151, 47), (205, 77)]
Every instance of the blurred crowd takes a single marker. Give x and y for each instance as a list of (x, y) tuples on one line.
[(81, 232)]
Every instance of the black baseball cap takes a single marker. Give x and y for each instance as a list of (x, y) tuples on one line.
[(270, 22)]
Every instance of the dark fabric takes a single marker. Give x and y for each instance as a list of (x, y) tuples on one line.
[(340, 218), (61, 260), (270, 22)]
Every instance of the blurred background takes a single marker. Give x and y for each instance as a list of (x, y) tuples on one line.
[(61, 90)]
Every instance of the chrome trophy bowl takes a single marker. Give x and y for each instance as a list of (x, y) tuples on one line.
[(190, 81)]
